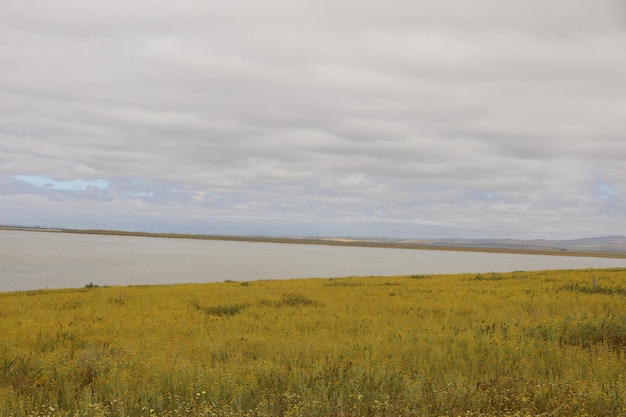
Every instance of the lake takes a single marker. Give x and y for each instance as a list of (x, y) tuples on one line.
[(39, 260)]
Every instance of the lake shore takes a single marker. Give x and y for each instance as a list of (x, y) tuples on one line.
[(350, 242)]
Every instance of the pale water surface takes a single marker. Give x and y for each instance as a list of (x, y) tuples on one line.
[(36, 260)]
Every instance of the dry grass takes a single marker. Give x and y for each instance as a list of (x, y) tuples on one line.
[(523, 343)]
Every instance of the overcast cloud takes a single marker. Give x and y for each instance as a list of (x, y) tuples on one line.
[(455, 118)]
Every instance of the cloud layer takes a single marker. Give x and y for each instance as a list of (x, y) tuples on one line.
[(403, 118)]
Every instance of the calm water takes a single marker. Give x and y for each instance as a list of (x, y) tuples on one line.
[(34, 260)]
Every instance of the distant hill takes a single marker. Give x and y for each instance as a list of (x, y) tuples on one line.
[(590, 244)]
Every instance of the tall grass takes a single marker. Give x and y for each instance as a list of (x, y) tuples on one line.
[(524, 343)]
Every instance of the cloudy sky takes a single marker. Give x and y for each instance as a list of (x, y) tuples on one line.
[(402, 118)]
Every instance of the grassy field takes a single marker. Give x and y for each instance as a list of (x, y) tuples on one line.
[(515, 344)]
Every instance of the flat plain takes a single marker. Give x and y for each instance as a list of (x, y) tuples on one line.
[(506, 344)]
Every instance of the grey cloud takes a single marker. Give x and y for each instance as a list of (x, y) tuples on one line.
[(483, 117)]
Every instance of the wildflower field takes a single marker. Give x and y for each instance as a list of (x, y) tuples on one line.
[(514, 344)]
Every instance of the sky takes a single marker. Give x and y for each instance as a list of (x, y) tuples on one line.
[(402, 118)]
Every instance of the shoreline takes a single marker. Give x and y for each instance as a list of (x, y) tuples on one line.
[(333, 242)]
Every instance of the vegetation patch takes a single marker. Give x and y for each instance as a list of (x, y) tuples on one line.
[(222, 310), (119, 299), (582, 332), (594, 288), (492, 277), (294, 299), (420, 276), (333, 282)]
